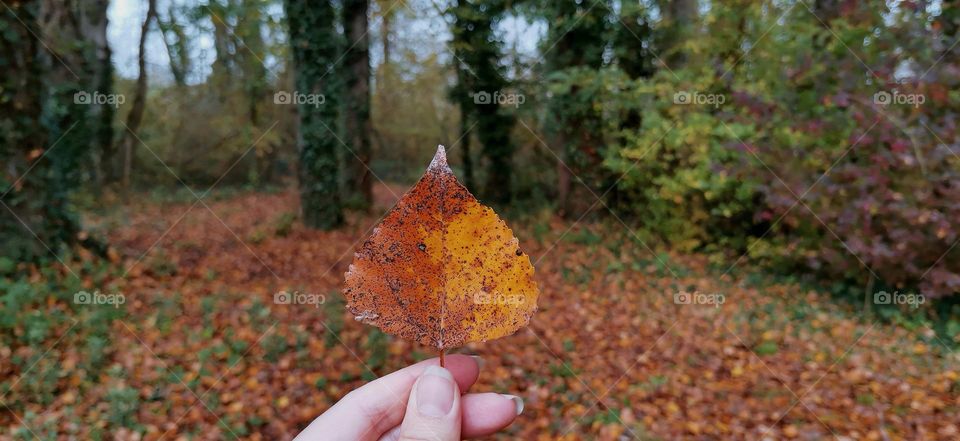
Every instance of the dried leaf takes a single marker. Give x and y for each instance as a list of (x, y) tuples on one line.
[(441, 268)]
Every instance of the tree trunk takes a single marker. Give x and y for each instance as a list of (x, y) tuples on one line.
[(460, 94), (468, 178), (474, 39), (387, 18), (21, 92), (357, 119), (575, 126), (563, 179), (249, 36), (681, 16), (135, 117), (45, 98), (222, 70), (175, 41), (314, 43), (93, 28)]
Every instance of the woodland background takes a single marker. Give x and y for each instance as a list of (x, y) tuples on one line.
[(743, 214)]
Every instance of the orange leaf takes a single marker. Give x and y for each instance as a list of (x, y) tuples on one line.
[(441, 268)]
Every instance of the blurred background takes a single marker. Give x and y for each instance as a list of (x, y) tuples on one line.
[(743, 214)]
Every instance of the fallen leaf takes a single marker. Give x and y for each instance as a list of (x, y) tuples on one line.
[(441, 268), (791, 431), (737, 371)]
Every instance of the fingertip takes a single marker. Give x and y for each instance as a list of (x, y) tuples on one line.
[(465, 369), (487, 413), (434, 410), (461, 360)]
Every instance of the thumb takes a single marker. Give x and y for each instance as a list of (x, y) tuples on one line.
[(433, 411)]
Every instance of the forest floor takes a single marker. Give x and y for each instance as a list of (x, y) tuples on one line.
[(202, 351)]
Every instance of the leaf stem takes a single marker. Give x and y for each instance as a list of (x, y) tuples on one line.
[(441, 358)]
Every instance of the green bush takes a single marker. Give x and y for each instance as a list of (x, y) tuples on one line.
[(783, 152)]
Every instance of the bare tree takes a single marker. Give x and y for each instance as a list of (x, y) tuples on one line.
[(135, 117)]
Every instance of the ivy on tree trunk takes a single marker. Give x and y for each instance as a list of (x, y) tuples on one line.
[(481, 83), (48, 122), (315, 46)]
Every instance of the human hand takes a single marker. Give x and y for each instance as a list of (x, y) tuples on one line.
[(419, 402)]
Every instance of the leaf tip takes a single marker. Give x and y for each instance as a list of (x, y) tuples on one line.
[(439, 162)]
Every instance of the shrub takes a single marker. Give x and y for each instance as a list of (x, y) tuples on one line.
[(802, 166)]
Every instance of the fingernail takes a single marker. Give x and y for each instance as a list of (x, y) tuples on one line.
[(517, 401), (435, 392)]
